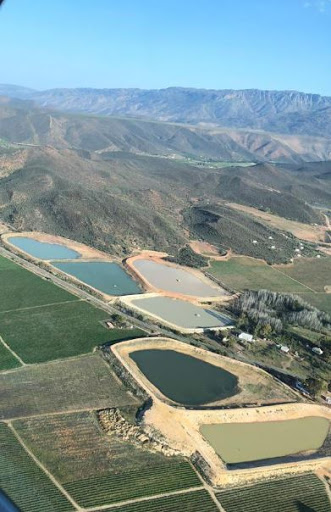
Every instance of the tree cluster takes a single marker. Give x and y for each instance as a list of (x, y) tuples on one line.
[(265, 312)]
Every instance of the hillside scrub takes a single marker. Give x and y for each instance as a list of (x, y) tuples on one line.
[(187, 257)]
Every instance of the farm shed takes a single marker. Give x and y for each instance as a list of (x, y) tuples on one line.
[(244, 336)]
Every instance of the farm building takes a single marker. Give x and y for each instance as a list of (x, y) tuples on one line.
[(317, 351), (284, 349), (244, 336)]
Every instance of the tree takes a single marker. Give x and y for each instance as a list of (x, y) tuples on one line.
[(316, 386)]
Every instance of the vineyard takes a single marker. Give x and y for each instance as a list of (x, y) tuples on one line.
[(84, 382), (304, 493), (22, 480), (7, 360), (128, 485), (97, 469), (196, 501)]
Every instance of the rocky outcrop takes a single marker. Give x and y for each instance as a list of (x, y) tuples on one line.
[(113, 423)]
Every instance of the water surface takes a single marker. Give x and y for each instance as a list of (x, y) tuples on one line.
[(185, 379), (43, 250), (173, 279), (244, 442), (105, 276), (182, 313)]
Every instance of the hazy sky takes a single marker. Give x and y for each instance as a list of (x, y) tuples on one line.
[(266, 44)]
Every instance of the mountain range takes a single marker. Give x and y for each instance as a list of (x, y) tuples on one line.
[(286, 112)]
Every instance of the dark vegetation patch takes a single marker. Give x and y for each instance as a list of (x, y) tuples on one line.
[(187, 257)]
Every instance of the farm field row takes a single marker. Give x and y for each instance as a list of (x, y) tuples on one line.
[(80, 383), (22, 480), (96, 469), (196, 501), (41, 322), (305, 493)]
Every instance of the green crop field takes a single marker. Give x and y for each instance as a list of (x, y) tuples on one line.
[(304, 493), (97, 469), (23, 289), (196, 501), (81, 383), (240, 273), (58, 331), (24, 482), (319, 300), (7, 360), (315, 273)]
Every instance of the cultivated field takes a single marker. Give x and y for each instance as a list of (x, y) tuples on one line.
[(240, 273), (97, 469), (23, 481), (196, 501), (306, 277), (304, 493), (73, 384), (7, 360), (23, 289), (320, 301), (57, 331), (314, 273)]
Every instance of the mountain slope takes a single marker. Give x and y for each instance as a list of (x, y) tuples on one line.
[(21, 123), (289, 112)]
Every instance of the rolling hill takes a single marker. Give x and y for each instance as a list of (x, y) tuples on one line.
[(120, 184)]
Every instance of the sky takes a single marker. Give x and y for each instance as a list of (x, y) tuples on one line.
[(152, 44)]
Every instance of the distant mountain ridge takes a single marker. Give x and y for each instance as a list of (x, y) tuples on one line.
[(287, 112), (20, 122)]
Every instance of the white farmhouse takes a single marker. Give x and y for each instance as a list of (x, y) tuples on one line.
[(244, 336)]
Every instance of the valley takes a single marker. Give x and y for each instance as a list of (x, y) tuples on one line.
[(134, 255)]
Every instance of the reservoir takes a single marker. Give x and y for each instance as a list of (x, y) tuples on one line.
[(244, 442), (185, 379), (43, 250), (181, 313), (105, 276), (175, 280)]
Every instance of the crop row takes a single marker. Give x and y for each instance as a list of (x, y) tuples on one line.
[(291, 494), (138, 483), (196, 501), (23, 481)]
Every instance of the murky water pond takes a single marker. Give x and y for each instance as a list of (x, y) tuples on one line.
[(243, 442), (181, 313), (185, 379), (105, 276), (43, 250), (174, 279)]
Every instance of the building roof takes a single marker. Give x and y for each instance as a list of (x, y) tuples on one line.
[(245, 336)]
